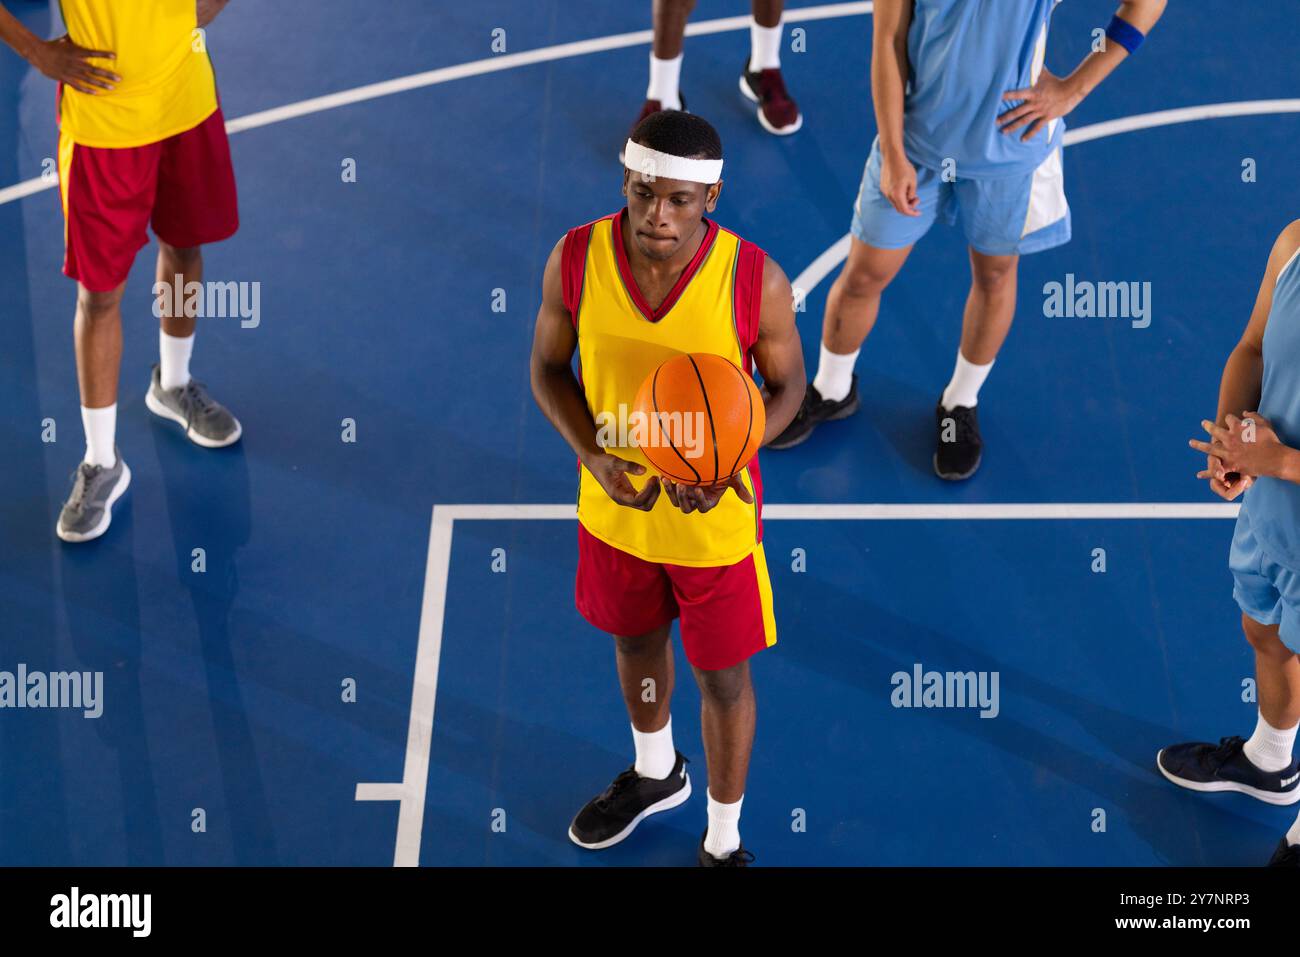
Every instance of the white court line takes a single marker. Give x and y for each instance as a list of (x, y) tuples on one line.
[(492, 64), (411, 792), (823, 265)]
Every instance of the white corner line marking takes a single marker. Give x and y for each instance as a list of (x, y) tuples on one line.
[(412, 791)]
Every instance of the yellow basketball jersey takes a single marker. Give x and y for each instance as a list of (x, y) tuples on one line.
[(713, 308), (167, 84)]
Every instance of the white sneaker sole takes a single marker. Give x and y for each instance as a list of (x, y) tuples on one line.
[(794, 127), (666, 804), (158, 409), (1268, 797), (118, 490)]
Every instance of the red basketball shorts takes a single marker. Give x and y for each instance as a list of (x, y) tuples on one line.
[(183, 186), (725, 610)]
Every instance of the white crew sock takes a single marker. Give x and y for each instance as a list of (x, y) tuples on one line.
[(1269, 748), (964, 389), (835, 374), (764, 46), (724, 828), (101, 434), (655, 754), (664, 75), (174, 351), (1293, 835)]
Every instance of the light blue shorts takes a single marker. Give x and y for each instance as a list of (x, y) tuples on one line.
[(1024, 213), (1265, 590)]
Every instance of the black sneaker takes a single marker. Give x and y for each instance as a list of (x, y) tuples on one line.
[(813, 412), (613, 814), (737, 858), (1286, 855), (958, 446), (1205, 767)]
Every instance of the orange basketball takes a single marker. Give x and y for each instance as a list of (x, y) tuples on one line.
[(703, 419)]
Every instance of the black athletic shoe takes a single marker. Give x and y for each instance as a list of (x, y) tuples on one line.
[(1205, 767), (613, 814), (958, 447), (1286, 855), (737, 858), (813, 412)]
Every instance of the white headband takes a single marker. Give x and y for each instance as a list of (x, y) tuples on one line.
[(654, 164)]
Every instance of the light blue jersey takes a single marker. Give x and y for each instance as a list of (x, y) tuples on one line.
[(1274, 504), (963, 56)]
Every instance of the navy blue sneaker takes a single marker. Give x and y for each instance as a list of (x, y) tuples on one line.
[(1286, 855), (1204, 767)]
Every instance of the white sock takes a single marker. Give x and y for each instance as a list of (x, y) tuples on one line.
[(964, 389), (1293, 835), (101, 434), (724, 828), (1269, 748), (664, 75), (835, 374), (174, 351), (655, 754), (764, 46)]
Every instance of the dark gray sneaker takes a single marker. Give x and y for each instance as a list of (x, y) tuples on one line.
[(813, 412), (206, 421), (89, 508)]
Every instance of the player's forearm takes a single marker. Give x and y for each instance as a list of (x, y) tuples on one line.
[(1142, 15), (21, 40), (780, 406), (888, 87), (1243, 377), (561, 400)]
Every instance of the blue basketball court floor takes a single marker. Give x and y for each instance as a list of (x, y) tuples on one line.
[(486, 710)]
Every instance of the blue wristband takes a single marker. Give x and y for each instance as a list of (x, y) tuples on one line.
[(1125, 34)]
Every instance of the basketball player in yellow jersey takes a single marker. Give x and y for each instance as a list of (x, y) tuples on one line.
[(626, 292), (142, 143)]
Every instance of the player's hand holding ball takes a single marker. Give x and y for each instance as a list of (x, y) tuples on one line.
[(706, 420), (612, 474)]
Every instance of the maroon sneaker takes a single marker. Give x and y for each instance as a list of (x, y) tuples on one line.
[(650, 106), (776, 111)]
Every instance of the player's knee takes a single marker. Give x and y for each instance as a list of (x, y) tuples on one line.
[(994, 276), (725, 688), (865, 279), (99, 307), (1264, 638), (639, 645), (182, 257)]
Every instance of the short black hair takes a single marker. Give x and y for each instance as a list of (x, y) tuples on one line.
[(678, 133)]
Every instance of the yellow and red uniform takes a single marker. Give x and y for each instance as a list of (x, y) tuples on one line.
[(637, 569), (152, 150)]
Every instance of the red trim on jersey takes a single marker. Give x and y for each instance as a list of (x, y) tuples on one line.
[(747, 296), (573, 267), (629, 281), (746, 307)]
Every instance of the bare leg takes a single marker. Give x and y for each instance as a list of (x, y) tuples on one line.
[(645, 672), (1277, 671), (990, 306), (670, 18), (767, 13), (97, 333), (187, 263), (854, 299), (728, 715)]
